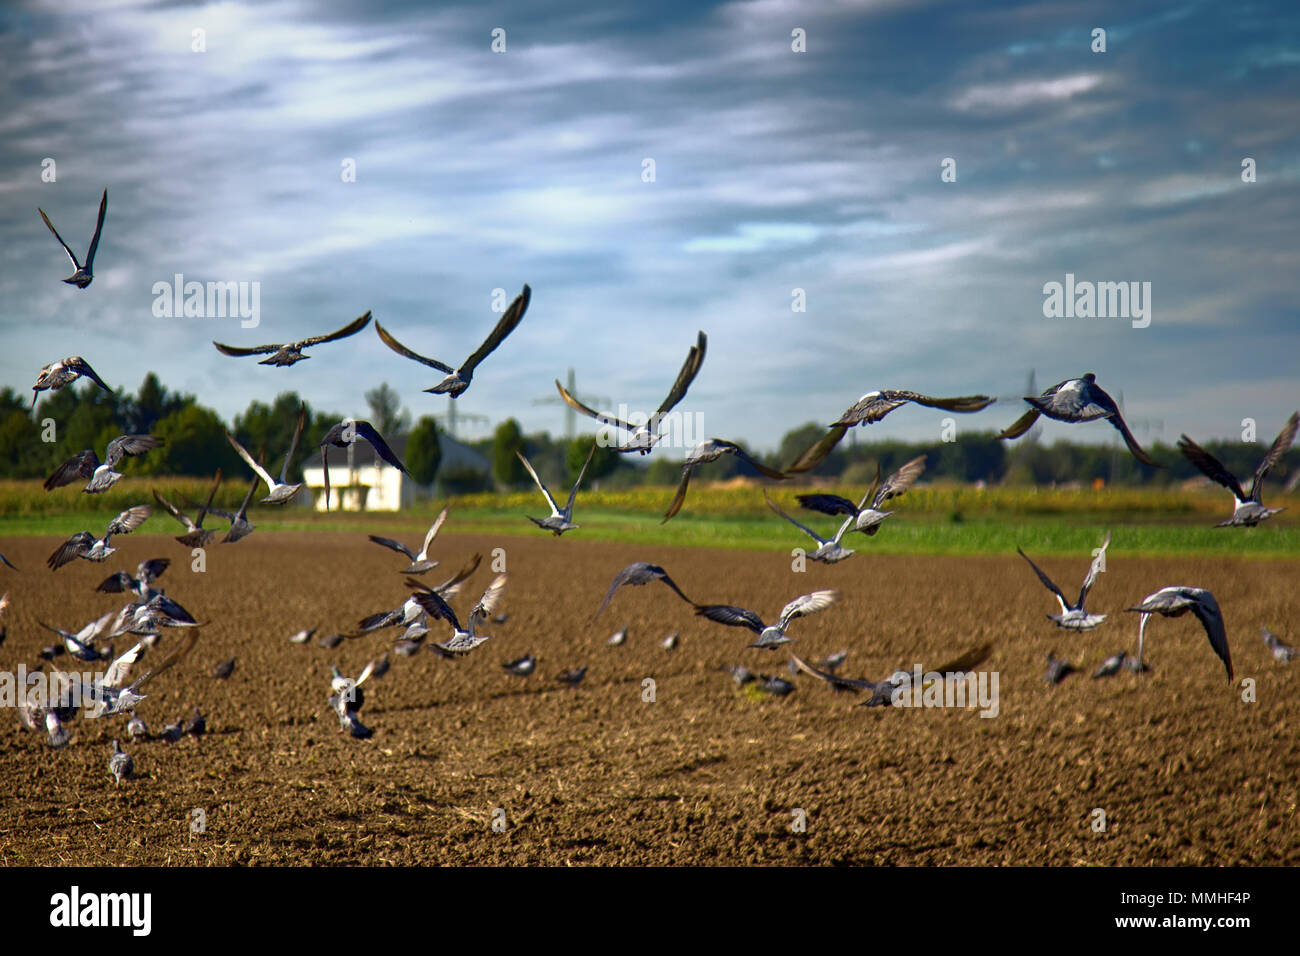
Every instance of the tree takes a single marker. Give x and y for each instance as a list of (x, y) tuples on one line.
[(508, 439), (195, 445), (386, 412), (423, 451)]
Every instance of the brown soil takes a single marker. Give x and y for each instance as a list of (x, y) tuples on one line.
[(1185, 771)]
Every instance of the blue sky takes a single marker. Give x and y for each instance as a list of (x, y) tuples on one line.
[(775, 170)]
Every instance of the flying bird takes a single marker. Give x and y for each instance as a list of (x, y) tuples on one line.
[(240, 526), (420, 563), (828, 550), (195, 536), (638, 573), (344, 434), (1282, 652), (278, 492), (874, 406), (1247, 510), (882, 691), (110, 694), (458, 380), (645, 437), (464, 639), (58, 374), (84, 274), (291, 352), (86, 464), (1073, 617), (79, 645), (770, 636), (1111, 665), (85, 545), (560, 519), (146, 572), (868, 518), (712, 450), (1077, 400), (1178, 600)]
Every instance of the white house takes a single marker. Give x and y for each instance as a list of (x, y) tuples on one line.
[(362, 481)]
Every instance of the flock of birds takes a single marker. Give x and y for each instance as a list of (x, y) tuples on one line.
[(151, 612)]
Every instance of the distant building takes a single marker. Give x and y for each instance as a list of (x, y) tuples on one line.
[(371, 484)]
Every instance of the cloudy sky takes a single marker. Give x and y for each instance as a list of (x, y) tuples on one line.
[(774, 170)]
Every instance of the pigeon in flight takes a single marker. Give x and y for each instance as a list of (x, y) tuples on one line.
[(828, 550), (1282, 652), (240, 526), (770, 636), (868, 518), (464, 639), (85, 545), (638, 573), (420, 563), (645, 437), (86, 464), (291, 352), (1178, 600), (1247, 510), (85, 273), (146, 572), (344, 434), (559, 520), (712, 450), (110, 694), (458, 380), (79, 645), (278, 492), (195, 536), (58, 374), (1077, 400), (882, 691), (1073, 617), (874, 406)]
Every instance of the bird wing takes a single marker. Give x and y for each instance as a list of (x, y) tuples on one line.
[(1207, 612), (1094, 569), (573, 492), (490, 600), (731, 616), (433, 531), (807, 604), (82, 367), (463, 574), (118, 670), (71, 255), (99, 227), (248, 460), (1021, 424), (734, 449), (207, 506), (352, 328), (679, 498), (181, 651), (690, 368), (401, 349), (511, 317), (71, 549), (963, 403), (1281, 445), (602, 417), (152, 568), (900, 481), (376, 440), (432, 602), (555, 510), (129, 520), (293, 445), (395, 545), (1047, 582), (1210, 466), (237, 352), (827, 504), (846, 683), (125, 445), (80, 465), (872, 407), (966, 661), (1122, 426), (815, 455), (804, 528)]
